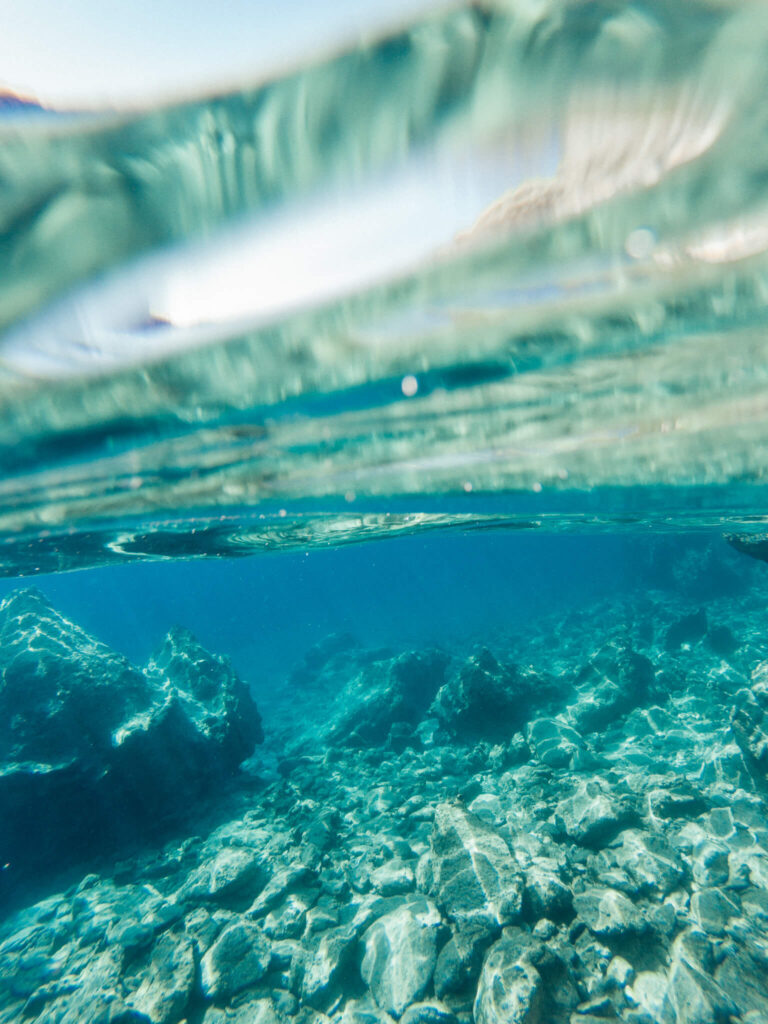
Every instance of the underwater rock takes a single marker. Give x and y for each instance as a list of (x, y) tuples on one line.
[(95, 753), (459, 961), (255, 1011), (749, 722), (476, 879), (649, 862), (488, 807), (619, 876), (712, 909), (710, 862), (428, 1013), (318, 657), (722, 641), (27, 964), (93, 955), (546, 895), (682, 800), (90, 992), (63, 694), (239, 957), (743, 975), (386, 694), (607, 912), (717, 576), (282, 882), (693, 996), (619, 972), (362, 1011), (557, 744), (510, 990), (393, 878), (753, 544), (647, 995), (321, 831), (488, 700), (592, 814), (615, 681), (400, 954), (687, 630), (231, 870), (288, 920), (215, 699), (167, 983), (326, 963), (705, 574)]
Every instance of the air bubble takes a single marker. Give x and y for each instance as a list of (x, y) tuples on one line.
[(640, 243), (409, 385)]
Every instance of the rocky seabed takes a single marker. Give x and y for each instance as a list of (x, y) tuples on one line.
[(575, 835)]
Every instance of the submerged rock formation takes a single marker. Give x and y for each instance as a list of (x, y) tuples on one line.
[(749, 722), (95, 753), (490, 700), (615, 680), (385, 696), (608, 861), (344, 696), (753, 544)]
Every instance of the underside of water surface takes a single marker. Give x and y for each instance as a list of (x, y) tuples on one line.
[(387, 439)]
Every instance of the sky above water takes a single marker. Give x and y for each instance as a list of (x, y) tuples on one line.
[(94, 52)]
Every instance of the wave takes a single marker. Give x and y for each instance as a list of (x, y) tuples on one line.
[(508, 250)]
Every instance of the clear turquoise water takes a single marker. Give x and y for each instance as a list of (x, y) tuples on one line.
[(455, 338)]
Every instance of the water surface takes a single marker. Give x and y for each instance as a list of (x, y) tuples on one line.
[(386, 440)]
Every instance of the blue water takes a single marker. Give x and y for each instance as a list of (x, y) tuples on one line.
[(265, 612), (383, 503)]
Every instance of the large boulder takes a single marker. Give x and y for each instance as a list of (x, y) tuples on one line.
[(476, 880), (749, 722), (63, 694), (652, 866), (400, 954), (693, 996), (510, 990), (383, 694), (215, 699), (317, 658), (743, 974), (592, 814), (608, 913), (490, 700), (428, 1013), (523, 983), (557, 744), (238, 958), (167, 981), (614, 681), (232, 870), (95, 754), (326, 969)]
